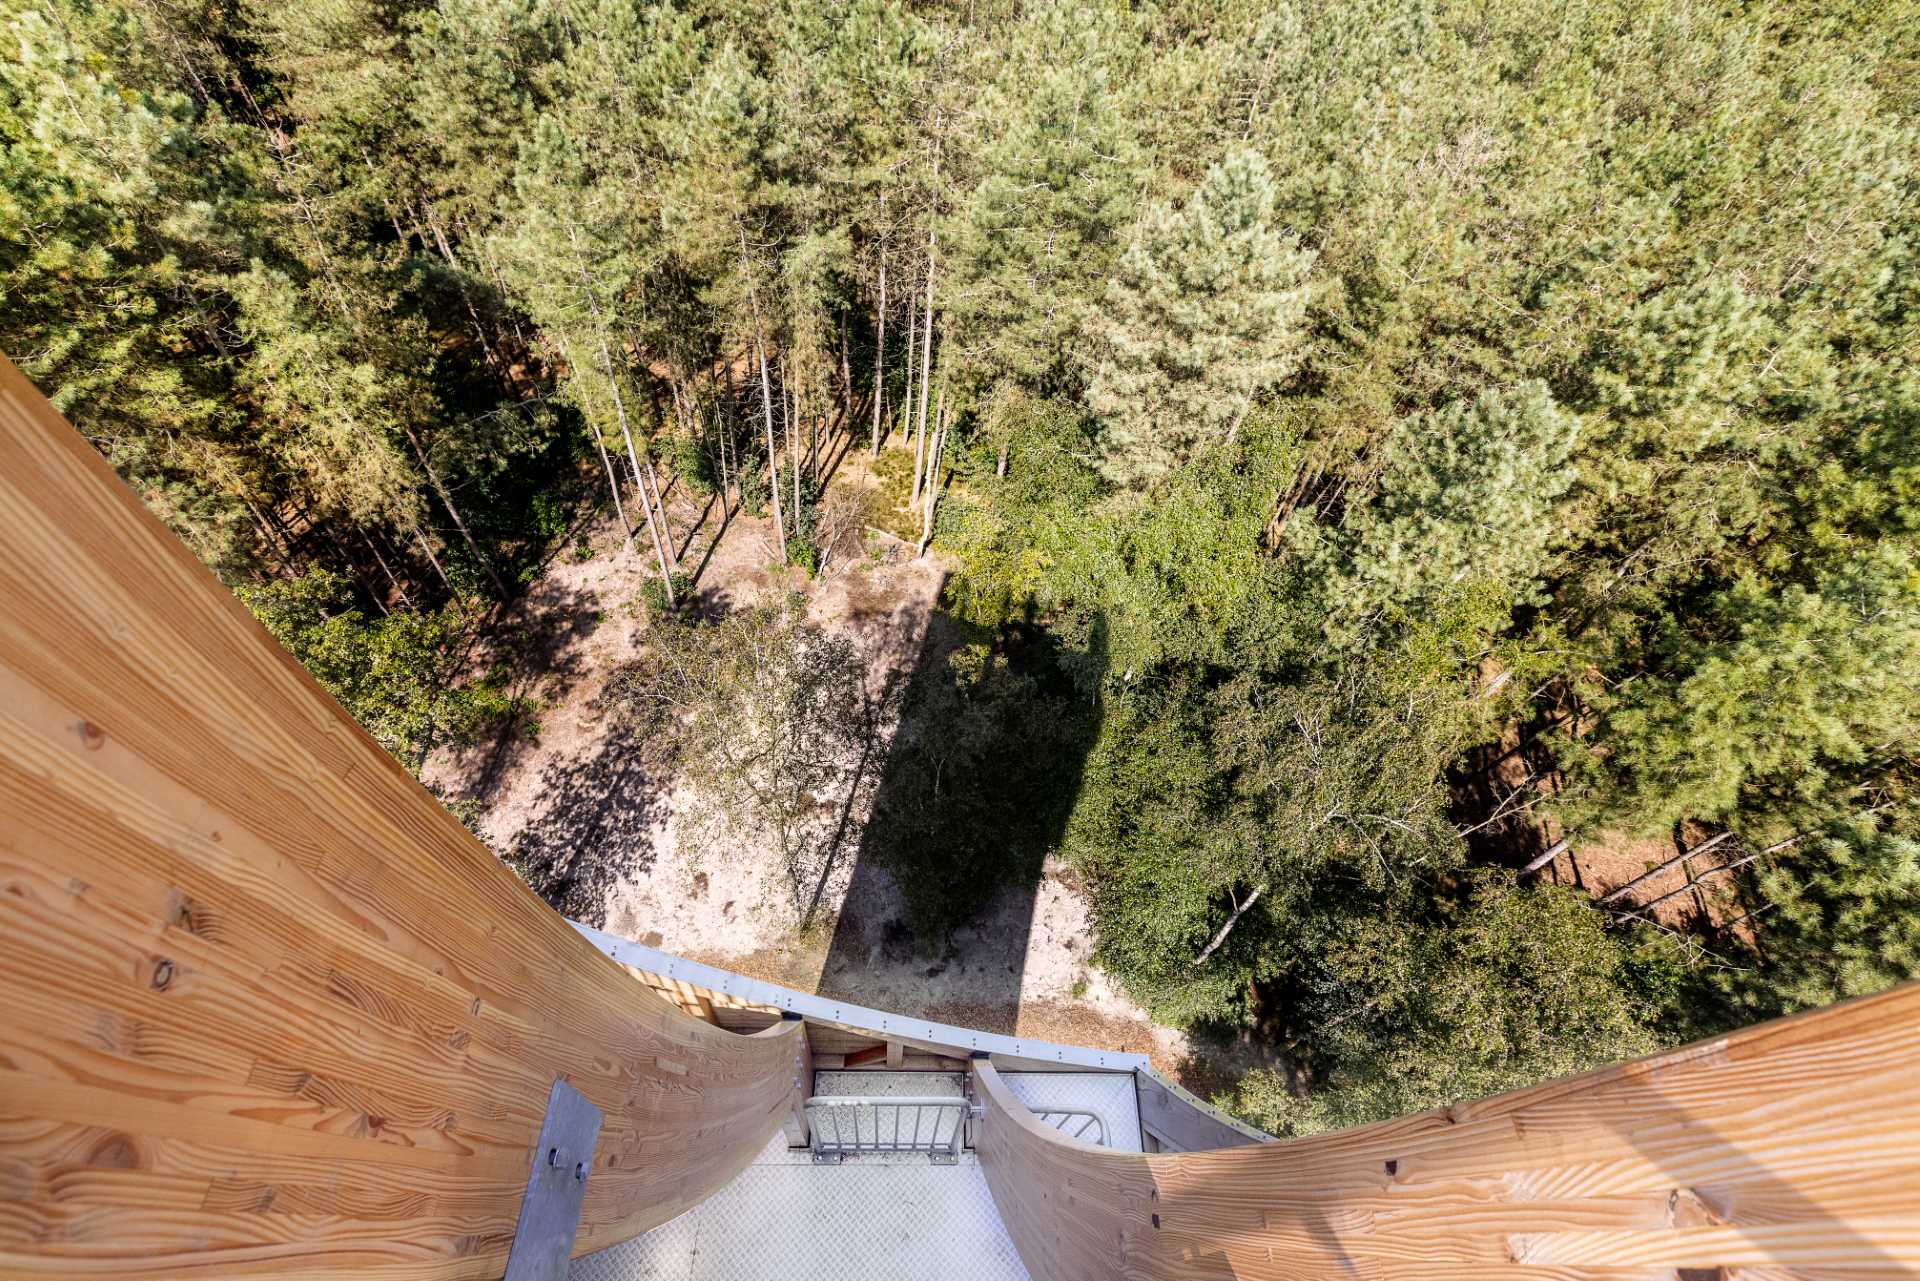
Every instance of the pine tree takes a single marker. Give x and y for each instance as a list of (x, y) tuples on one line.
[(1204, 313), (1467, 497)]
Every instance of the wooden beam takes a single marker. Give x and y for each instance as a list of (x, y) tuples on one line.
[(1792, 1148), (266, 1008), (896, 1055), (795, 1124)]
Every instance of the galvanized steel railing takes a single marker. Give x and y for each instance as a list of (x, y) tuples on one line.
[(1075, 1123), (839, 1127)]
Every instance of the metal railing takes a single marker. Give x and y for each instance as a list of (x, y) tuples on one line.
[(1075, 1123), (839, 1127)]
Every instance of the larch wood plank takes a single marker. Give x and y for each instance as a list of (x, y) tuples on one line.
[(266, 1009), (1783, 1149)]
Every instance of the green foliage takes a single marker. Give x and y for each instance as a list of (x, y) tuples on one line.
[(1466, 496), (1336, 389), (1505, 988), (1777, 704), (400, 676), (771, 715), (653, 595), (1842, 917), (1319, 801)]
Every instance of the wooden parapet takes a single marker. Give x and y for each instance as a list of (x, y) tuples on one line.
[(266, 1009), (1787, 1149)]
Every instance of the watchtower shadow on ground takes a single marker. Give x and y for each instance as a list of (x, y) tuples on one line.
[(974, 793)]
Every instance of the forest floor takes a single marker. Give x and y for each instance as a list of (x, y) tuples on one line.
[(579, 792)]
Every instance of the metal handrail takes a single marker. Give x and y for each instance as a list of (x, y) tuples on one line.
[(839, 1126), (1067, 1116)]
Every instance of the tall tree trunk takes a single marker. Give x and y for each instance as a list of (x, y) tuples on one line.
[(792, 401), (639, 473), (460, 282), (932, 497), (773, 471), (880, 357), (459, 522), (613, 477), (620, 411), (381, 561), (918, 434), (720, 453), (846, 381), (926, 342), (660, 505), (426, 549), (766, 398), (275, 547), (613, 487), (913, 336)]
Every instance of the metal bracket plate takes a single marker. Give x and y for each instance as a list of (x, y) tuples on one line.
[(550, 1211)]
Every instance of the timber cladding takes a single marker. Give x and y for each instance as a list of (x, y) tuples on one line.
[(1791, 1149), (266, 1009)]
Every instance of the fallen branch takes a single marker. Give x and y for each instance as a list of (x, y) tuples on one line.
[(1711, 842), (1553, 852)]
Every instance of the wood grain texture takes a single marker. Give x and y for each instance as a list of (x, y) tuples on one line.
[(265, 1007), (1791, 1149)]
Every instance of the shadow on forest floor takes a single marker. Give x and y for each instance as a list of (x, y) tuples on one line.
[(541, 648), (595, 826), (974, 793)]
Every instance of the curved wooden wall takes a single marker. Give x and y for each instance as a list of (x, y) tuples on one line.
[(1791, 1149), (265, 1007)]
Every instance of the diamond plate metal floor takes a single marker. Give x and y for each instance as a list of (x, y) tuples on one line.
[(1109, 1095), (787, 1219), (894, 1216)]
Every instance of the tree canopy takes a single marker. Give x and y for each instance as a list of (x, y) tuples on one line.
[(1371, 443)]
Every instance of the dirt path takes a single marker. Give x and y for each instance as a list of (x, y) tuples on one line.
[(583, 799)]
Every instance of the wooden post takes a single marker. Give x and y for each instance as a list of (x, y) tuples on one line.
[(795, 1123)]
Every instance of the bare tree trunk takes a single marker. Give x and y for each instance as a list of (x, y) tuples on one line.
[(1239, 911), (766, 397), (880, 358), (613, 487), (446, 498), (620, 411), (1614, 896), (613, 477), (460, 282), (381, 561), (773, 472), (932, 498), (793, 446), (426, 549), (926, 342), (919, 435), (660, 505), (913, 337), (1552, 852), (274, 544)]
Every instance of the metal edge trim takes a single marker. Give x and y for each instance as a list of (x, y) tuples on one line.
[(860, 1017)]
